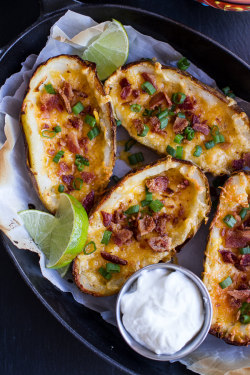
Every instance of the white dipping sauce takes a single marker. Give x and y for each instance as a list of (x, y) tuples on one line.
[(164, 312)]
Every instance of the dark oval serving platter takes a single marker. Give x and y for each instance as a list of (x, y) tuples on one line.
[(86, 325)]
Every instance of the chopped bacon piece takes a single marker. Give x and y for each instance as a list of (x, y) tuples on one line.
[(245, 260), (76, 122), (67, 95), (125, 92), (195, 119), (73, 143), (136, 93), (118, 216), (237, 238), (67, 179), (238, 164), (157, 184), (201, 128), (246, 158), (82, 94), (228, 256), (50, 102), (168, 100), (146, 225), (160, 244), (150, 78), (83, 143), (45, 126), (51, 152), (188, 104), (159, 99), (113, 258), (63, 167), (88, 201), (180, 124), (155, 124), (138, 125), (161, 222), (88, 177), (122, 236), (106, 218), (183, 184), (242, 295), (124, 82)]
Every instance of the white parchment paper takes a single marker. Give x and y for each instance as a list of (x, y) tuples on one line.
[(70, 35)]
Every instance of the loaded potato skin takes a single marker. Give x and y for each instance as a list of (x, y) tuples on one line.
[(143, 220), (69, 130), (173, 113), (227, 262)]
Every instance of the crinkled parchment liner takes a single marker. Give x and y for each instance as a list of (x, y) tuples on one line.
[(213, 357)]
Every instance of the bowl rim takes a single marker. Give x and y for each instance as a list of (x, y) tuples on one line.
[(195, 342)]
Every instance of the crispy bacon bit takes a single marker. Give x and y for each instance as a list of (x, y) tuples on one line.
[(83, 143), (88, 177), (125, 92), (188, 104), (82, 94), (155, 124), (179, 125), (157, 184), (183, 185), (136, 93), (146, 225), (50, 102), (138, 124), (168, 100), (63, 167), (124, 82), (161, 223), (238, 164), (122, 236), (118, 216), (106, 218), (66, 94), (113, 258), (76, 122), (150, 78), (45, 126), (67, 179), (237, 238), (245, 260), (246, 158), (73, 144), (159, 99), (51, 152), (201, 128), (228, 256), (88, 201), (241, 295), (160, 244)]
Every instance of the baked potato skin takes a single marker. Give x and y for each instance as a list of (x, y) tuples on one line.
[(225, 323), (213, 106), (85, 267), (71, 65)]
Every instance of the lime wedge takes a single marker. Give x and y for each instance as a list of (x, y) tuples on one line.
[(39, 225), (109, 50)]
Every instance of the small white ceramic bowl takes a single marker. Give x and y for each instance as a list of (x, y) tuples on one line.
[(194, 342)]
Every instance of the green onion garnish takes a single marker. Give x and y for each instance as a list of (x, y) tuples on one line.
[(58, 156), (78, 107), (48, 133), (243, 213), (163, 114), (106, 237), (135, 107), (178, 97), (77, 183), (93, 133), (104, 273), (118, 122), (245, 319), (90, 120), (219, 138), (156, 205), (144, 132), (89, 244), (136, 158), (129, 144), (183, 63), (178, 138), (225, 283), (164, 122), (61, 188), (148, 87), (145, 203), (181, 115), (149, 196), (80, 162), (132, 210), (245, 308), (111, 267), (147, 112), (49, 88), (57, 129), (198, 151), (189, 133), (115, 178), (171, 151), (230, 221), (209, 144), (245, 250), (179, 152), (228, 92), (214, 130)]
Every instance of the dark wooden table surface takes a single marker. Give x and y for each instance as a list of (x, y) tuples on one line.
[(32, 342)]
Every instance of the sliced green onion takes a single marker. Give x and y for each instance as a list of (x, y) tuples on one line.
[(90, 120), (80, 162), (178, 138), (145, 203), (58, 156), (89, 244), (189, 133), (181, 115), (245, 319), (171, 151), (164, 122), (132, 210), (214, 130), (163, 114), (48, 133), (93, 133), (243, 213), (57, 129), (178, 97), (148, 87), (230, 221), (129, 144), (225, 283), (144, 132), (156, 205), (78, 107), (135, 107), (183, 63), (228, 92), (245, 250), (111, 267), (245, 308), (198, 151), (77, 183), (115, 178), (49, 88), (106, 237), (118, 122), (136, 158), (149, 196), (61, 188), (219, 138), (179, 152), (147, 112), (209, 144), (104, 273)]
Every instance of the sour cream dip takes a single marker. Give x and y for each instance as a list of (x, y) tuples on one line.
[(163, 311)]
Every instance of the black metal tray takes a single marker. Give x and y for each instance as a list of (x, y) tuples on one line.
[(226, 69)]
